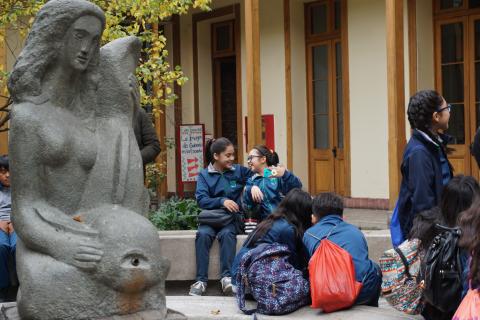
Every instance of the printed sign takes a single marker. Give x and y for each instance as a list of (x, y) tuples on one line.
[(192, 146)]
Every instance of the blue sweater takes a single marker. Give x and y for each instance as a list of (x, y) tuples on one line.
[(273, 189), (422, 178), (281, 232), (214, 187), (351, 239)]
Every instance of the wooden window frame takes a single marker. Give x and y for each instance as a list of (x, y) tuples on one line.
[(455, 12), (230, 51)]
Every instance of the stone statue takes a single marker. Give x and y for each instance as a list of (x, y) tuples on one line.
[(84, 250)]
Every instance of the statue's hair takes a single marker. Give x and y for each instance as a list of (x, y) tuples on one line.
[(49, 28)]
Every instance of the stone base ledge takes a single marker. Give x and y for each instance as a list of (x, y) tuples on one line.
[(179, 248)]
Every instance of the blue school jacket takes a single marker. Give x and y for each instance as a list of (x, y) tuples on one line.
[(351, 239), (214, 187), (273, 189), (422, 179)]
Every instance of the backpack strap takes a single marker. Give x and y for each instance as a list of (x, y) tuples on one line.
[(326, 237), (404, 261), (242, 282)]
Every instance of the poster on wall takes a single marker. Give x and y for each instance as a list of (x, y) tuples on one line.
[(191, 149)]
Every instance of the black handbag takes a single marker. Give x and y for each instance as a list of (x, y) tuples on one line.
[(216, 218)]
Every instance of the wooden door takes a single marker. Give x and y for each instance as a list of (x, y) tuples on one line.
[(457, 58), (225, 97), (474, 74), (452, 82), (326, 117)]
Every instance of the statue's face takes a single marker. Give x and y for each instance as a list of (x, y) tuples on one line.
[(81, 42)]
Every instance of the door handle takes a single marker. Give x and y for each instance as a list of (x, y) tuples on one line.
[(334, 151)]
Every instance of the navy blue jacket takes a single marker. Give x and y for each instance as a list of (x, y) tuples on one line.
[(281, 232), (273, 189), (351, 239), (214, 187), (422, 181)]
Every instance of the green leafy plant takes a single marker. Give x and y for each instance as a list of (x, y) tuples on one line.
[(176, 214), (156, 172)]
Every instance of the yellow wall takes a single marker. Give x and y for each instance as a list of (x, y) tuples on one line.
[(368, 98)]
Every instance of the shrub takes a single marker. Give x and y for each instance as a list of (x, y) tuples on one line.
[(176, 214)]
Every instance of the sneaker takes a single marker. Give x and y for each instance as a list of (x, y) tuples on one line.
[(198, 288), (227, 286)]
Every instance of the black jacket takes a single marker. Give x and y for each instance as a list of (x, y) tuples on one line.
[(146, 136)]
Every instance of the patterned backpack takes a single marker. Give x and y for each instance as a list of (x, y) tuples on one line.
[(400, 268), (273, 282)]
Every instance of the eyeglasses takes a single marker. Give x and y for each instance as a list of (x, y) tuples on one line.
[(250, 158), (448, 107)]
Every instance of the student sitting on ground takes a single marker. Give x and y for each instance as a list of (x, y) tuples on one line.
[(270, 182), (219, 186), (284, 226), (327, 218), (457, 197)]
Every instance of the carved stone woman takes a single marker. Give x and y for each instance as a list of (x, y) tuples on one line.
[(84, 250)]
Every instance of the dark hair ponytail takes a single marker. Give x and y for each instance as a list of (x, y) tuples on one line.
[(216, 146), (270, 155)]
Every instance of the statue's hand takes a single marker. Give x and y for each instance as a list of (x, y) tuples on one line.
[(83, 253)]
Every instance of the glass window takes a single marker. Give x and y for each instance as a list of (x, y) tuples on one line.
[(318, 16), (320, 96), (321, 132), (477, 106), (337, 7), (338, 62), (477, 81), (320, 62), (452, 42), (474, 4), (477, 40), (450, 4), (223, 37), (456, 125), (452, 83)]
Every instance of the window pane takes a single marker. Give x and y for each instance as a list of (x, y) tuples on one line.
[(477, 81), (477, 40), (477, 111), (320, 62), (340, 113), (474, 4), (338, 59), (456, 125), (321, 132), (449, 4), (452, 42), (223, 37), (452, 83), (319, 18), (338, 14), (320, 97)]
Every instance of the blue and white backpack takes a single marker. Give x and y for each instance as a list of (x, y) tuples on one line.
[(274, 283)]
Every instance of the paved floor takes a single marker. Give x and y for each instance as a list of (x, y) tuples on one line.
[(367, 219), (222, 308)]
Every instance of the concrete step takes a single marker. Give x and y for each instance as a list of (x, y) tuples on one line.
[(179, 248), (225, 308)]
